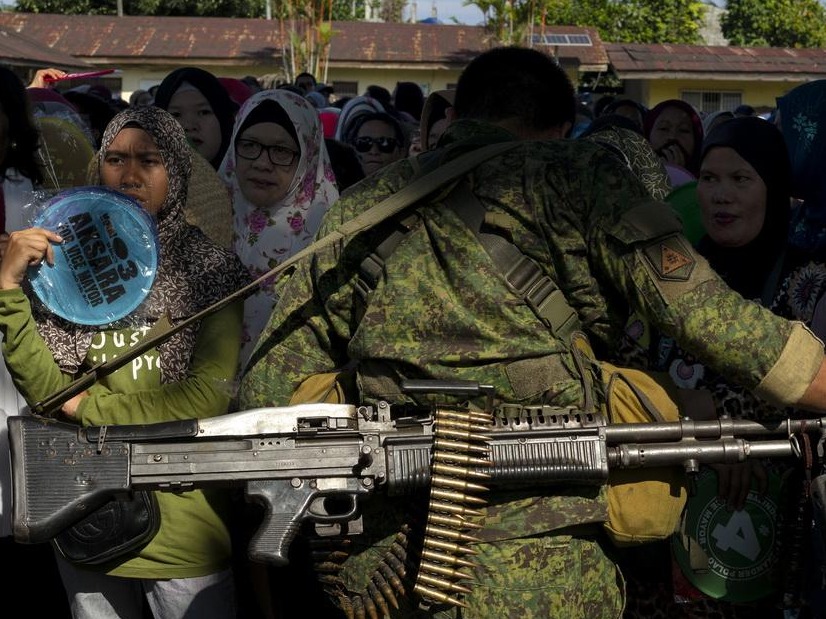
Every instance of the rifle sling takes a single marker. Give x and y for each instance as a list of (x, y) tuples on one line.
[(522, 275)]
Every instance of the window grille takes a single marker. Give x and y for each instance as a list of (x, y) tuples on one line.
[(708, 101)]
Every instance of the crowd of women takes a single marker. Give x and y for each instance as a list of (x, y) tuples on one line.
[(238, 178)]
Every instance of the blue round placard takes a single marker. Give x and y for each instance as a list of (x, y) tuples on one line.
[(107, 262)]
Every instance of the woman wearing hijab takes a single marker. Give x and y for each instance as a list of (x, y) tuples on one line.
[(801, 115), (744, 195), (184, 571), (711, 121), (352, 110), (621, 136), (21, 177), (279, 174), (378, 139), (675, 131), (198, 100)]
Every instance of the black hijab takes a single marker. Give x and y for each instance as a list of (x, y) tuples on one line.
[(222, 105), (748, 269)]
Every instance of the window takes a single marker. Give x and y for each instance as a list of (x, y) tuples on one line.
[(707, 101), (345, 89)]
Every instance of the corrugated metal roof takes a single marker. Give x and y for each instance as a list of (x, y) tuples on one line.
[(22, 51), (633, 60), (141, 39)]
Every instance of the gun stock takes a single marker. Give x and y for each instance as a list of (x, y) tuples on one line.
[(290, 459)]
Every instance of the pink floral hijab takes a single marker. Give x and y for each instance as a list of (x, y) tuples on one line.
[(264, 237)]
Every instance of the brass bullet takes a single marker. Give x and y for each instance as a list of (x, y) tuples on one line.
[(459, 458), (346, 606), (358, 607), (329, 555), (472, 416), (459, 471), (438, 596), (456, 484), (456, 497), (370, 607), (438, 568), (396, 564), (328, 567), (386, 589), (440, 443), (431, 542), (450, 534), (399, 551), (466, 426), (452, 521), (441, 583), (378, 599), (452, 508), (460, 435), (392, 577), (435, 555)]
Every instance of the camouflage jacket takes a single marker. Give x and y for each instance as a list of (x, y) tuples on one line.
[(442, 310)]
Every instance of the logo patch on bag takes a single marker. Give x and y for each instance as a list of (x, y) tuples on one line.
[(670, 259)]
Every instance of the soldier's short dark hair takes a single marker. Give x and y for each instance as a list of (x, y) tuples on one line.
[(516, 82)]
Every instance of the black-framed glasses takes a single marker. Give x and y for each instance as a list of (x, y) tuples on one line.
[(386, 145), (278, 155)]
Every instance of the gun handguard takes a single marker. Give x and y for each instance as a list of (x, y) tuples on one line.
[(292, 458)]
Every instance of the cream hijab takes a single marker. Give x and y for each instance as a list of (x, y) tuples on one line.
[(264, 237)]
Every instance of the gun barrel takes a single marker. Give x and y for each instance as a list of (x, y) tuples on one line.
[(716, 429), (722, 451)]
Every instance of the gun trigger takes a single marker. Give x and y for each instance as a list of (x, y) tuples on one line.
[(101, 438)]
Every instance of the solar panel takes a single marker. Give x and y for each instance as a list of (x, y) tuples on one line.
[(561, 39)]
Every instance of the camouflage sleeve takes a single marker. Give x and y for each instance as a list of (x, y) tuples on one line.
[(643, 253), (310, 328), (294, 344)]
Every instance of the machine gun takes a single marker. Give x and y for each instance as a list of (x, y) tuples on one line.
[(293, 459)]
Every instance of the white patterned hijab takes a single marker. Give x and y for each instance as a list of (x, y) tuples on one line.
[(264, 237)]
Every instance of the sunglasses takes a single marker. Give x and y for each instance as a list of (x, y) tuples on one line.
[(386, 145)]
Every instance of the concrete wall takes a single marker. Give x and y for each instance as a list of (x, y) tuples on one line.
[(755, 93)]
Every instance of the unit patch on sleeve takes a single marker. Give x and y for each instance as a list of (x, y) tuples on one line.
[(670, 258)]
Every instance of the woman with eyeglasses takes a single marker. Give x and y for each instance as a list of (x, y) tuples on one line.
[(379, 140), (279, 175)]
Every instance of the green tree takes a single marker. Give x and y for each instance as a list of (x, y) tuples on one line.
[(348, 10), (195, 8), (627, 21), (775, 23)]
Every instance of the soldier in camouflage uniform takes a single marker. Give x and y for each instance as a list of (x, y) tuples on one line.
[(441, 310)]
